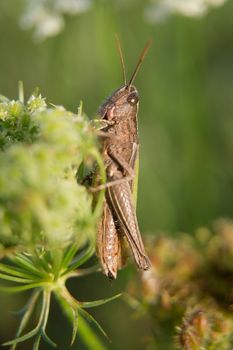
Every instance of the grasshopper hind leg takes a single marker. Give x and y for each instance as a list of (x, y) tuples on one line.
[(120, 197)]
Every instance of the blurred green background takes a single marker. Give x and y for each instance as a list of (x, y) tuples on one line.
[(185, 119)]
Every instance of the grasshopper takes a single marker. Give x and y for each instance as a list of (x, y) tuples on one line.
[(120, 151)]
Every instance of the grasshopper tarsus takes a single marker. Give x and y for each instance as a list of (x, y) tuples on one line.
[(144, 263)]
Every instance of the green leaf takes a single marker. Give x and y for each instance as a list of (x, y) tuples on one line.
[(83, 272), (22, 288), (89, 337), (56, 260), (90, 318), (80, 260), (75, 326), (24, 337), (85, 331), (26, 264), (15, 279), (68, 256), (39, 330), (15, 271), (89, 304), (48, 340), (28, 309), (43, 261)]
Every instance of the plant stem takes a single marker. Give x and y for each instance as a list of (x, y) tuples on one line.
[(85, 331)]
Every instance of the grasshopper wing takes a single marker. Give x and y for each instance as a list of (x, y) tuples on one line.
[(120, 197)]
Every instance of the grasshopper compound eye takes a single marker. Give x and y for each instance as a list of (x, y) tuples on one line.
[(133, 99)]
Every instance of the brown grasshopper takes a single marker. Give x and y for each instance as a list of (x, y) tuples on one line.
[(120, 151)]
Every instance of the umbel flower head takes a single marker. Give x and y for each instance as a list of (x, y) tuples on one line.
[(47, 219), (40, 199)]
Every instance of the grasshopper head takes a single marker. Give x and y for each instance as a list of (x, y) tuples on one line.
[(121, 104)]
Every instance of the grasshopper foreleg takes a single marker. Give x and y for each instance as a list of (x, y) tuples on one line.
[(128, 170)]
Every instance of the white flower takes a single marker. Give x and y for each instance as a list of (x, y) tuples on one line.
[(44, 22), (161, 9), (46, 17), (73, 7)]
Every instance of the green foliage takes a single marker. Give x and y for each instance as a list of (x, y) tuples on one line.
[(188, 292), (47, 218)]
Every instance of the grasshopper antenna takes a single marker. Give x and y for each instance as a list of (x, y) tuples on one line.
[(121, 57), (140, 60)]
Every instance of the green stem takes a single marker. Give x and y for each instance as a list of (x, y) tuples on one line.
[(29, 309), (86, 333), (45, 309), (21, 92), (37, 331), (88, 336)]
